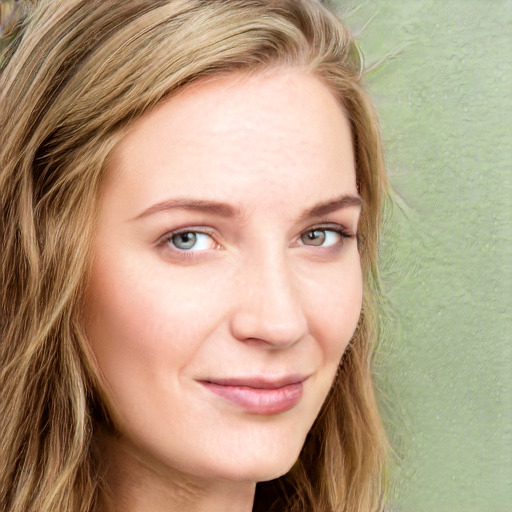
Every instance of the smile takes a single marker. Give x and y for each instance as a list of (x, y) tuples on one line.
[(259, 396)]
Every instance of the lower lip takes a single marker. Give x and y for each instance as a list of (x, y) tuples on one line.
[(259, 400)]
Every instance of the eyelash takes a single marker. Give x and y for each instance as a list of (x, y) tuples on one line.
[(166, 240)]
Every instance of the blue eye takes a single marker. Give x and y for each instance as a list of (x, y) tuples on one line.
[(321, 237), (192, 241)]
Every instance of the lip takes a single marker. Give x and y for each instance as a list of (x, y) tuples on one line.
[(258, 395)]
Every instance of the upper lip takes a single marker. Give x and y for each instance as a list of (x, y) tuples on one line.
[(257, 382)]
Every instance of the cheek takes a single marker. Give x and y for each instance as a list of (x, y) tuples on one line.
[(124, 326), (141, 318), (335, 307)]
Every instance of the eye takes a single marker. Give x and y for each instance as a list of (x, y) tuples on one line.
[(322, 237), (191, 241)]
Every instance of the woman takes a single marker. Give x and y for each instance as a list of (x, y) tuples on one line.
[(191, 195)]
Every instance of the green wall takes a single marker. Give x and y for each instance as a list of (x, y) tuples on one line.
[(444, 94)]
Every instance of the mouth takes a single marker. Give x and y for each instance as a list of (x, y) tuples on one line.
[(259, 395)]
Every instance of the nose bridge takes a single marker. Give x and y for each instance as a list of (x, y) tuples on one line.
[(269, 308)]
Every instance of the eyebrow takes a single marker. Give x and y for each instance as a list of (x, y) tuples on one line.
[(226, 210), (199, 205), (333, 205)]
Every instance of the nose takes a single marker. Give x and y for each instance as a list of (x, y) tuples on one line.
[(268, 307)]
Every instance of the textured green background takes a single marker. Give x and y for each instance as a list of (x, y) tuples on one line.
[(444, 95)]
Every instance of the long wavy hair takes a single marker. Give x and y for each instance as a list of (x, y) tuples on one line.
[(74, 78)]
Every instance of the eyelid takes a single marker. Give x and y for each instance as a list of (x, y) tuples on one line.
[(342, 229)]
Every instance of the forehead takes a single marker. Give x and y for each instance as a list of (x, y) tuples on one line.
[(237, 135)]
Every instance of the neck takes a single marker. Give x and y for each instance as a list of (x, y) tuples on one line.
[(135, 484)]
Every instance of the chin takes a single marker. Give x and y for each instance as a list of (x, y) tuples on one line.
[(265, 465)]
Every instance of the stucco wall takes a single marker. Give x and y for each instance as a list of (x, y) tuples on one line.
[(445, 101)]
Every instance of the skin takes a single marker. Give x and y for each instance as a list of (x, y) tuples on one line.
[(260, 294)]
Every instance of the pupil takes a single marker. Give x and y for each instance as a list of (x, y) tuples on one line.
[(184, 240)]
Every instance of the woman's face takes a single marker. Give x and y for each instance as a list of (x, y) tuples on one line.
[(226, 281)]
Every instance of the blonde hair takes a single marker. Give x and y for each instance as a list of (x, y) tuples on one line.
[(75, 77)]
